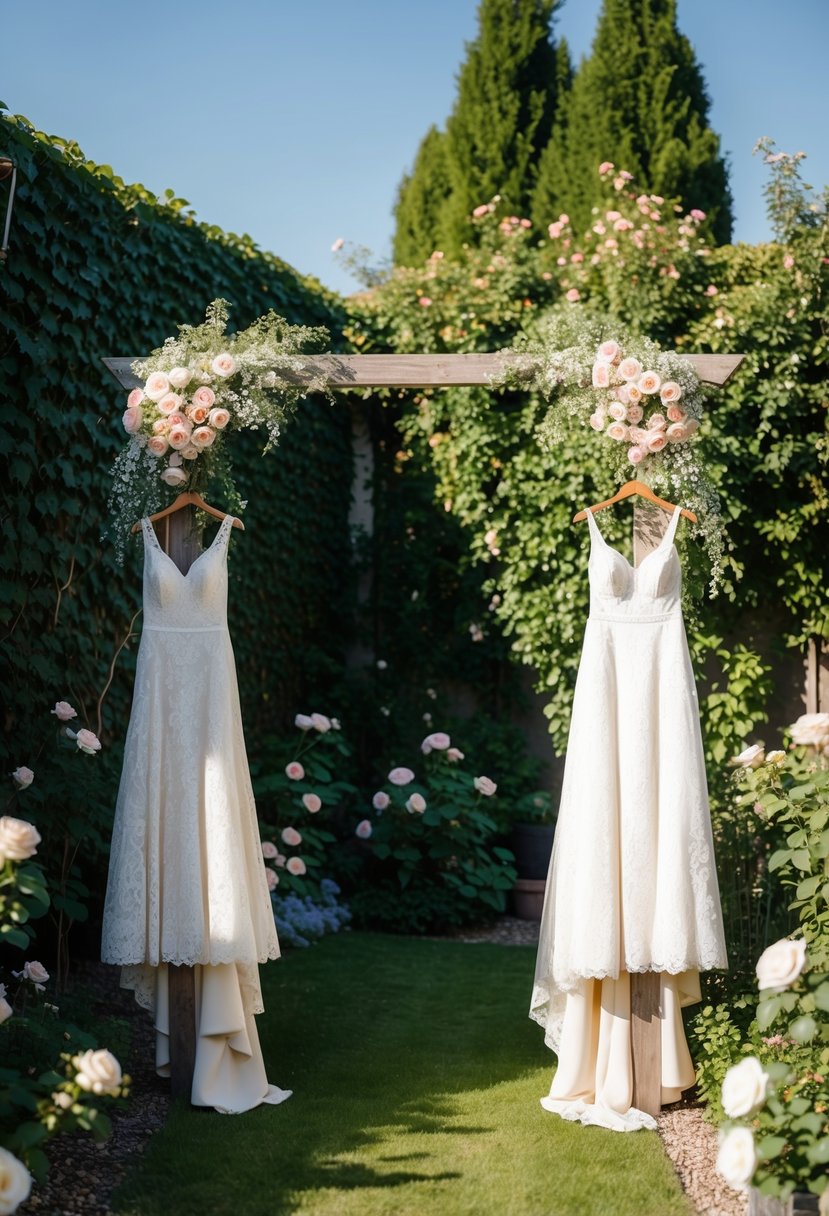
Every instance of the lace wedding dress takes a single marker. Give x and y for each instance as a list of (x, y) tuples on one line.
[(632, 884), (186, 879)]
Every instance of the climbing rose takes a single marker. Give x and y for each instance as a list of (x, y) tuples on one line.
[(18, 839), (23, 776), (273, 879), (269, 850), (320, 723), (296, 866), (363, 829), (303, 721), (311, 802), (15, 1182), (436, 742), (98, 1071), (737, 1158), (744, 1088), (416, 804), (294, 770), (88, 742), (781, 963), (401, 776), (485, 786), (380, 800), (291, 837)]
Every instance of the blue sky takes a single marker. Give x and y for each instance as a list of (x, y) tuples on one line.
[(293, 121)]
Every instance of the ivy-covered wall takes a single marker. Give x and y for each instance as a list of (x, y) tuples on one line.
[(96, 268)]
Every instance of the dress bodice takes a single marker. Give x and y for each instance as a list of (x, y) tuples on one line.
[(619, 591), (195, 601)]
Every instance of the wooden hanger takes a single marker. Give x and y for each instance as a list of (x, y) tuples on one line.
[(188, 499), (626, 491)]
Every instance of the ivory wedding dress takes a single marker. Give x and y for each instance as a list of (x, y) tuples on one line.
[(632, 884), (186, 878)]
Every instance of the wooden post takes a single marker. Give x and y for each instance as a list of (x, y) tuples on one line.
[(179, 540)]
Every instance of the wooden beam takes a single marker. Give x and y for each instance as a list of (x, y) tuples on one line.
[(425, 371)]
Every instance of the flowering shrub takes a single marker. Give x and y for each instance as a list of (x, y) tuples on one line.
[(431, 857), (301, 919)]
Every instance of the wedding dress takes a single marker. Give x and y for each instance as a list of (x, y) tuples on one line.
[(632, 884), (186, 878)]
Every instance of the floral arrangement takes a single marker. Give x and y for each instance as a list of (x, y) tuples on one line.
[(778, 1137), (197, 388), (643, 402)]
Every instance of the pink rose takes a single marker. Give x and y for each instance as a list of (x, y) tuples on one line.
[(424, 301), (88, 742), (635, 413), (312, 803), (295, 866), (480, 210), (170, 403), (454, 754), (656, 441), (291, 837), (711, 290), (161, 426), (657, 422), (401, 776), (321, 723), (676, 433), (670, 391), (63, 711), (280, 860), (638, 434), (438, 742), (219, 418), (35, 972), (691, 426), (554, 231), (576, 258), (294, 770), (203, 436), (635, 454), (573, 295), (607, 166), (179, 437), (788, 262), (18, 839), (269, 849), (630, 368), (197, 413), (157, 385), (617, 431), (649, 383), (597, 422), (223, 365), (273, 879), (6, 1012), (617, 411), (204, 396), (174, 476), (601, 375), (634, 394), (416, 804), (675, 413), (485, 786), (696, 214), (380, 800), (609, 351), (180, 377), (179, 420), (135, 398), (621, 393), (157, 445), (132, 419), (303, 721), (363, 829)]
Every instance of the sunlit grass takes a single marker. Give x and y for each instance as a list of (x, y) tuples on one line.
[(416, 1078)]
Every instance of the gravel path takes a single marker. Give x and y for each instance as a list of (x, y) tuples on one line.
[(84, 1174)]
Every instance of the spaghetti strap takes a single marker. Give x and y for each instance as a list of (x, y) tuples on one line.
[(670, 531), (593, 526)]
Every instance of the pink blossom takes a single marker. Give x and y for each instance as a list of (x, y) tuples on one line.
[(291, 837), (788, 262), (132, 419), (480, 210), (711, 290), (634, 394), (609, 351), (622, 225), (135, 398), (617, 411), (401, 776), (525, 223), (269, 850), (312, 803), (363, 829), (63, 711), (158, 445), (576, 258), (564, 219), (170, 403), (619, 183), (424, 301), (438, 741), (88, 742), (204, 396), (554, 231), (599, 228), (601, 375), (35, 972), (697, 215), (161, 426), (294, 770), (605, 167), (196, 413), (179, 437), (280, 860), (573, 295), (416, 804), (454, 754), (321, 723), (635, 454), (296, 866), (485, 786), (380, 800), (691, 426), (273, 879)]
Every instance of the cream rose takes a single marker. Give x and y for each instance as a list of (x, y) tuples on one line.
[(640, 435), (609, 351), (675, 413), (23, 777), (781, 963), (219, 418), (601, 375), (63, 711), (691, 426), (295, 866), (454, 754), (744, 1088), (416, 804), (157, 385), (776, 757), (204, 396), (191, 451), (273, 879), (363, 829), (750, 757), (618, 411), (180, 377), (485, 786), (811, 730), (380, 800), (401, 776), (197, 414), (132, 419), (291, 837), (98, 1071), (18, 839), (170, 403), (135, 398), (269, 850), (158, 445), (174, 476), (35, 972), (676, 433), (630, 369), (223, 365), (303, 721), (203, 436), (312, 803), (636, 454), (635, 413), (320, 723), (617, 431), (656, 441), (634, 394), (88, 742), (597, 421), (670, 391), (657, 422), (438, 741), (6, 1010), (15, 1182), (737, 1159), (649, 383), (179, 437)]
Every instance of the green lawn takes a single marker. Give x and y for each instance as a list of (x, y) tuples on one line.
[(416, 1078)]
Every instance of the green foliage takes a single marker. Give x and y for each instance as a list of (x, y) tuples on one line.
[(500, 122), (720, 1036), (637, 101)]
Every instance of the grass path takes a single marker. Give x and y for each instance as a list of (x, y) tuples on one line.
[(416, 1078)]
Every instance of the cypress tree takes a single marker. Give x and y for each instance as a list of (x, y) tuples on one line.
[(640, 102), (421, 199), (544, 199)]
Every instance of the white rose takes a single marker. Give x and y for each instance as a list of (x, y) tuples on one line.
[(776, 757), (744, 1088), (98, 1071), (320, 723), (485, 786), (5, 1010), (811, 730), (224, 365), (416, 804), (15, 1182), (752, 757), (173, 476), (737, 1160), (781, 963), (23, 777), (35, 972), (62, 1099), (18, 839), (304, 722), (180, 377)]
